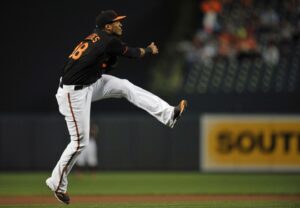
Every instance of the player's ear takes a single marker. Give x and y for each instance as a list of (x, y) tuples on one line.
[(108, 26)]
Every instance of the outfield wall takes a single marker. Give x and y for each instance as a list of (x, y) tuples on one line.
[(215, 142), (126, 142)]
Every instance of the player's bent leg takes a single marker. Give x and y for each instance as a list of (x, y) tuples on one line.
[(58, 181), (62, 169), (112, 87), (76, 109), (153, 104)]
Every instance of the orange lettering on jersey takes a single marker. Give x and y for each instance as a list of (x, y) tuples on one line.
[(78, 51), (93, 37)]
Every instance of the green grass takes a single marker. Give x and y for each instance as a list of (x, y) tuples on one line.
[(141, 183), (145, 183), (173, 205)]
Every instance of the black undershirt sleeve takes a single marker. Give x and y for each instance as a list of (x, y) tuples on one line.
[(118, 48)]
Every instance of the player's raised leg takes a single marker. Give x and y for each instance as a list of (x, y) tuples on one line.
[(112, 87)]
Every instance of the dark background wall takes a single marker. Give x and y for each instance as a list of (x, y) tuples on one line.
[(125, 142)]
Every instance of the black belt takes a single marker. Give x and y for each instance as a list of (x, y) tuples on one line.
[(76, 87)]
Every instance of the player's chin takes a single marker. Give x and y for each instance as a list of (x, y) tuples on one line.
[(119, 32)]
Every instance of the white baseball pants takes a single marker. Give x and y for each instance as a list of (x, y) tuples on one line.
[(75, 107)]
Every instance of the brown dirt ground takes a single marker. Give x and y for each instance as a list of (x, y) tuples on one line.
[(145, 198)]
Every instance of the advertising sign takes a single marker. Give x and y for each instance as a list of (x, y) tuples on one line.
[(250, 142)]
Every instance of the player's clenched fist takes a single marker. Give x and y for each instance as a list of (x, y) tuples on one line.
[(151, 49), (154, 48)]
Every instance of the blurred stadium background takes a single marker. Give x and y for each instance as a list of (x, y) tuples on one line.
[(233, 57), (235, 61)]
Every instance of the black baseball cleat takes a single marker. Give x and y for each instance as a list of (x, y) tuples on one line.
[(62, 197), (178, 110)]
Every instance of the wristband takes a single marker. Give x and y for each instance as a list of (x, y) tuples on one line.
[(148, 50)]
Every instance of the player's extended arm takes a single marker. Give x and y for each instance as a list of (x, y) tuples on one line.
[(118, 48)]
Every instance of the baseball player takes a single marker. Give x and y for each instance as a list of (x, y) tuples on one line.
[(84, 80)]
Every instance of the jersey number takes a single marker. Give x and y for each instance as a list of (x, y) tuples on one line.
[(78, 51)]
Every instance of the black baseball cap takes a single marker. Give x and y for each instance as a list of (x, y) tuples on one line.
[(107, 17)]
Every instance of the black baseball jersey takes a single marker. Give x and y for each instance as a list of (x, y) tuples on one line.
[(93, 56)]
